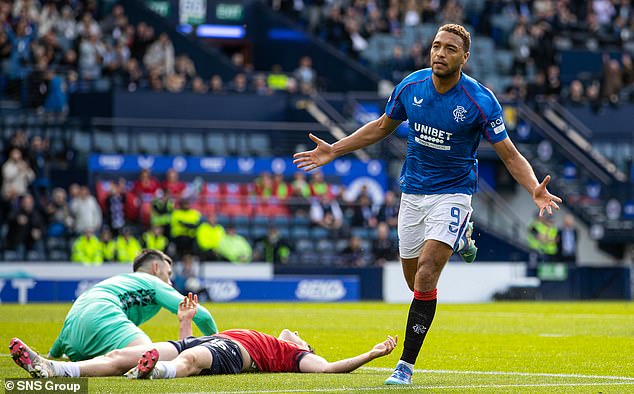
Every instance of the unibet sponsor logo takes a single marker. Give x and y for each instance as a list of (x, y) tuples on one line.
[(432, 137)]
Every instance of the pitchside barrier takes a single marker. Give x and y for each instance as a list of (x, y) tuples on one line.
[(224, 282)]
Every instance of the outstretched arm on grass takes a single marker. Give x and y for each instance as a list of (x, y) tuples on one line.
[(312, 363)]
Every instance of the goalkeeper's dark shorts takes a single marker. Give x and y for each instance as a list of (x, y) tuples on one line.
[(225, 353)]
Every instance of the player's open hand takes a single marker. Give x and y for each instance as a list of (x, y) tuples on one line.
[(384, 348), (188, 307), (311, 159), (543, 199)]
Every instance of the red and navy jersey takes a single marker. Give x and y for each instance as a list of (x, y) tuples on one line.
[(270, 354), (444, 132)]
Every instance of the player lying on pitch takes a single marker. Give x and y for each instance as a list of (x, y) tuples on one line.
[(229, 352), (106, 317)]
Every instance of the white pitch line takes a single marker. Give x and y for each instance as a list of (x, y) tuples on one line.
[(418, 388), (511, 373)]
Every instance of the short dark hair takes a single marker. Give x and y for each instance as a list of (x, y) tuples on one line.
[(460, 31), (147, 256)]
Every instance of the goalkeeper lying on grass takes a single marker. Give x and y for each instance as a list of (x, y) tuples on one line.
[(229, 352)]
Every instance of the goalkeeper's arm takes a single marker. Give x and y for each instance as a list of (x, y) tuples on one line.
[(169, 298)]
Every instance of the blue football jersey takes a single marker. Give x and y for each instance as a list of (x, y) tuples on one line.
[(444, 132)]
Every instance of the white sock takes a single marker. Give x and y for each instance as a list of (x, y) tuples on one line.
[(66, 369), (408, 365), (166, 370)]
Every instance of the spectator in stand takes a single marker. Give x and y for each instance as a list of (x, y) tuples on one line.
[(161, 213), (199, 86), (142, 40), (239, 83), (160, 55), (216, 85), (86, 211), (174, 83), (553, 83), (127, 246), (575, 95), (300, 193), (17, 175), (612, 80), (185, 67), (66, 27), (260, 86), (520, 43), (305, 75), (277, 79), (388, 212), (146, 186), (114, 211), (39, 162), (172, 186), (91, 52), (87, 249), (353, 255), (185, 221), (281, 189), (26, 227), (108, 245), (363, 215), (154, 239), (234, 247), (568, 240), (88, 27), (60, 218), (325, 212), (133, 76), (383, 248), (272, 248), (318, 187)]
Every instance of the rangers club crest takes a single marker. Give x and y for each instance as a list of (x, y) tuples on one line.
[(458, 113)]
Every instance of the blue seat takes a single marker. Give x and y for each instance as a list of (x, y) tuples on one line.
[(319, 232), (300, 232)]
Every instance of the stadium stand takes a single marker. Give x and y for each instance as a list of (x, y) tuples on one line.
[(552, 61)]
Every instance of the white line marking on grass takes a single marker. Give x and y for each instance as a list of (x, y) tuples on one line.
[(552, 335), (419, 387), (540, 314), (508, 373)]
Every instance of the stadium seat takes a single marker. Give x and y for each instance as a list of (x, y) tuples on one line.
[(300, 232), (150, 143), (193, 144)]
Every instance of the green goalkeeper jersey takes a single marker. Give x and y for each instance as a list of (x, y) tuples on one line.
[(135, 297)]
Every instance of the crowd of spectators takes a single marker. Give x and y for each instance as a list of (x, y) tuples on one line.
[(49, 49), (113, 220), (535, 31)]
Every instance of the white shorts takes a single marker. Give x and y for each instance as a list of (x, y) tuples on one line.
[(442, 217)]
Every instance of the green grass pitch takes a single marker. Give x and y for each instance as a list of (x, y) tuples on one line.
[(482, 348)]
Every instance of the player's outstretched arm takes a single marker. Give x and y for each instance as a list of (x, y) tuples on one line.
[(168, 298), (324, 152), (523, 173), (186, 311), (312, 363)]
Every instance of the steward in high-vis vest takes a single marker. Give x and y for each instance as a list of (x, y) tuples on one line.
[(127, 247), (542, 237), (185, 221), (108, 245), (87, 249), (154, 239), (162, 209)]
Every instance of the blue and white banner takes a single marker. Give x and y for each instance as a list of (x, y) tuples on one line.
[(326, 289), (348, 170)]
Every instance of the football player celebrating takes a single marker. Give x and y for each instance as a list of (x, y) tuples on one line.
[(448, 113)]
